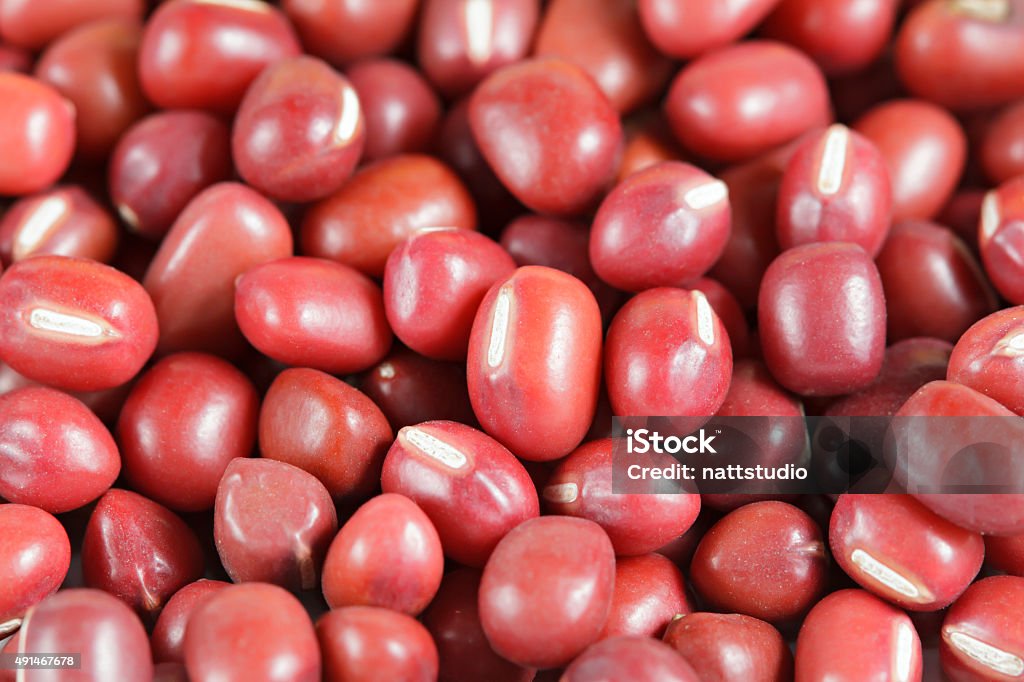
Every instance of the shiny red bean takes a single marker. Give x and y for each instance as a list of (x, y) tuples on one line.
[(729, 311), (731, 647), (343, 31), (366, 643), (985, 358), (281, 538), (852, 635), (387, 554), (649, 592), (1005, 553), (168, 638), (982, 633), (1001, 238), (203, 54), (529, 608), (184, 421), (453, 473), (534, 363), (687, 28), (271, 637), (64, 221), (35, 555), (37, 134), (562, 167), (634, 658), (37, 23), (1001, 154)]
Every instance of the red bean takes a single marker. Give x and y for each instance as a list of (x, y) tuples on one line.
[(662, 226), (687, 28), (14, 58), (343, 31), (667, 354), (982, 634), (270, 634), (765, 560), (562, 167), (1001, 154), (731, 647), (985, 357), (380, 206), (280, 539), (322, 425), (962, 214), (37, 134), (648, 142), (108, 637), (35, 555), (852, 635), (534, 362), (635, 658), (729, 311), (162, 162), (387, 554), (453, 473), (529, 604), (63, 221), (1001, 238), (33, 25), (139, 551), (168, 638), (203, 54), (365, 643), (433, 284), (1005, 553), (649, 593), (743, 100), (184, 421), (170, 672), (925, 149), (223, 232)]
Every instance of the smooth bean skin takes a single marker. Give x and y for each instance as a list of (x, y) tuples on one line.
[(924, 567), (434, 282), (453, 619), (729, 311), (162, 162), (743, 100), (1002, 146), (649, 593), (528, 608), (313, 312), (299, 131), (168, 637), (35, 555), (271, 634), (382, 204), (55, 453), (37, 134), (367, 643), (925, 149), (985, 358), (343, 31), (280, 539), (32, 24), (106, 633), (852, 635), (197, 54), (184, 421), (387, 554), (635, 658), (645, 370), (1001, 238), (224, 231), (139, 551), (582, 486), (687, 28), (560, 168), (15, 59), (662, 226), (982, 634), (766, 560), (731, 647), (534, 362), (1005, 553), (320, 424), (64, 221), (454, 472), (821, 317)]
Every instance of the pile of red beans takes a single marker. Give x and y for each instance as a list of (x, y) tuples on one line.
[(314, 315)]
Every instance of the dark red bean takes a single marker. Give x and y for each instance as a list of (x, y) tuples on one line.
[(162, 162), (271, 637), (387, 554), (986, 358), (662, 226), (534, 363), (852, 635), (1002, 146), (528, 604), (686, 28), (731, 647), (962, 214), (170, 672), (15, 59), (64, 221), (299, 131), (743, 100), (649, 592), (1005, 553), (224, 231), (635, 658), (1001, 238), (33, 25), (168, 638), (562, 167), (380, 206), (203, 54), (366, 643), (184, 421), (343, 31), (401, 110), (37, 134), (648, 142), (35, 555), (729, 312), (453, 473), (982, 634), (109, 638), (281, 538), (765, 560)]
